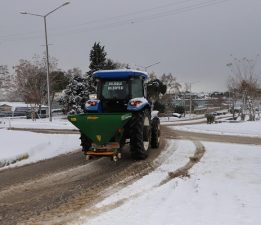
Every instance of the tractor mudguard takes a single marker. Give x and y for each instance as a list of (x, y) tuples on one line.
[(137, 104)]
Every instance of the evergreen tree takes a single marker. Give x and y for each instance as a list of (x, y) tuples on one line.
[(79, 88), (76, 93), (97, 58), (58, 82), (111, 65)]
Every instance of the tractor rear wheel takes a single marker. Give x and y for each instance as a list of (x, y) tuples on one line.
[(85, 142), (140, 134), (155, 132)]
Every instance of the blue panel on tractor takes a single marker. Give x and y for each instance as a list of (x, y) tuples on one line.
[(120, 74)]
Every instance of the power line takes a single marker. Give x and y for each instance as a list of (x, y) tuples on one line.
[(101, 20), (182, 10), (146, 18), (124, 22)]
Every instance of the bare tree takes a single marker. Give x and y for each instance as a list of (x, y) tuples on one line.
[(71, 73), (152, 76), (244, 85), (30, 80), (173, 87), (3, 75), (233, 94)]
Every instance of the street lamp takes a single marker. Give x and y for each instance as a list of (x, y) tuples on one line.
[(146, 67), (47, 53)]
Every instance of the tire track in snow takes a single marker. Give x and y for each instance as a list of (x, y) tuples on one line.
[(180, 172), (184, 171)]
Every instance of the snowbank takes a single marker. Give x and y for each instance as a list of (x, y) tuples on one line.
[(249, 128), (31, 147), (57, 123)]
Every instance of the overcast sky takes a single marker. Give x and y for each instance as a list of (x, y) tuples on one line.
[(192, 39)]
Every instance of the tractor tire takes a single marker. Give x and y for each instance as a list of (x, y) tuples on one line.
[(140, 134), (85, 142), (155, 132)]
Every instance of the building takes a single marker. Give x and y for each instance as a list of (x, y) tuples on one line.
[(18, 109)]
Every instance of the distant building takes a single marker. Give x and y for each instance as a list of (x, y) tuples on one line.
[(200, 102), (17, 109)]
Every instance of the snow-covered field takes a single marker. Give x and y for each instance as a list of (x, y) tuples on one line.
[(57, 123), (223, 188), (193, 118), (20, 147), (249, 128)]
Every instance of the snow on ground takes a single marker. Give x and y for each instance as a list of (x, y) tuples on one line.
[(32, 147), (57, 123), (248, 128), (189, 119), (224, 188)]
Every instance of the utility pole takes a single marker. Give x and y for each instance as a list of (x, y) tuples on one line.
[(190, 100), (47, 54)]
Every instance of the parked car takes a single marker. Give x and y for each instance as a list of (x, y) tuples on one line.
[(176, 115), (216, 113)]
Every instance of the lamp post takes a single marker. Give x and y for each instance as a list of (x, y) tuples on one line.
[(146, 67), (47, 53), (190, 98)]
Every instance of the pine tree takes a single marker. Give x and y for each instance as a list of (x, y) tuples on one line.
[(97, 58), (76, 93), (79, 88)]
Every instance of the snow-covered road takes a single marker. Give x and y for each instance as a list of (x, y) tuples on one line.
[(224, 188)]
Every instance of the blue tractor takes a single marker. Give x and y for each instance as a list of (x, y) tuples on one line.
[(120, 114)]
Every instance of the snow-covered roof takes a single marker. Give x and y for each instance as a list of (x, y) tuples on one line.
[(121, 73), (14, 104)]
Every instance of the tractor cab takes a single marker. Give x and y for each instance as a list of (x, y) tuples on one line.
[(115, 89)]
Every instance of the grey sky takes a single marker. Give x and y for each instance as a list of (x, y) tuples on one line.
[(191, 41)]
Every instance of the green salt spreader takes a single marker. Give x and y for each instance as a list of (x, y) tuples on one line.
[(120, 114), (100, 128)]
